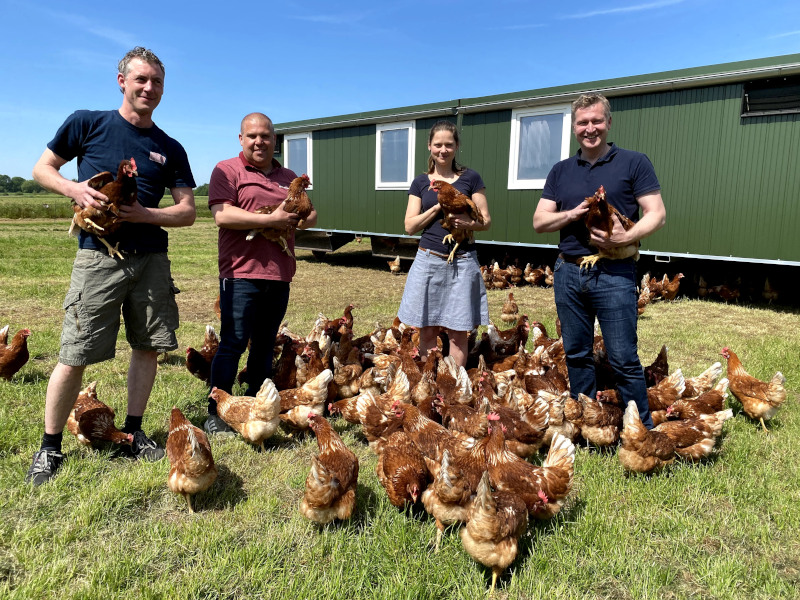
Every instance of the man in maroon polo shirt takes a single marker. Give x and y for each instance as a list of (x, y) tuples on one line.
[(254, 275)]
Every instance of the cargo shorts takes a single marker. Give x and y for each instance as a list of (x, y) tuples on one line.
[(140, 287)]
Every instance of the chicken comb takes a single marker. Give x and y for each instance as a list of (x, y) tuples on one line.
[(493, 416)]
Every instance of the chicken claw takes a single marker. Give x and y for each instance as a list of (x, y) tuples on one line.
[(589, 261)]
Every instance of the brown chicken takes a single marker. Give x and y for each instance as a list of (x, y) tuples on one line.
[(198, 362), (601, 422), (254, 418), (601, 216), (394, 265), (670, 288), (658, 370), (448, 498), (495, 523), (311, 396), (643, 451), (13, 356), (695, 438), (706, 403), (331, 484), (298, 202), (93, 421), (105, 220), (510, 310), (543, 489), (760, 399), (533, 276), (455, 203), (401, 470), (192, 469), (702, 383)]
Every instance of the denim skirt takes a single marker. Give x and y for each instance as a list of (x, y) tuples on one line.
[(445, 295)]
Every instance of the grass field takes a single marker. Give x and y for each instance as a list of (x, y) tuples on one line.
[(109, 528)]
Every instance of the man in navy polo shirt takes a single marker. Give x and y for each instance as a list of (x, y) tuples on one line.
[(139, 284), (606, 290)]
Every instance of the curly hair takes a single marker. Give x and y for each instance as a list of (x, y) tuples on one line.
[(587, 100), (444, 125), (141, 53)]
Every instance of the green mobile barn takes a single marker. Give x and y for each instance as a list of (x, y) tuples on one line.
[(725, 141)]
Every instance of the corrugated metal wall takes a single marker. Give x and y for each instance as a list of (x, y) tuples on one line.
[(729, 184)]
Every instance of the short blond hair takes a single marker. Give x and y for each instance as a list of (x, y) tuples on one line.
[(141, 53), (587, 100)]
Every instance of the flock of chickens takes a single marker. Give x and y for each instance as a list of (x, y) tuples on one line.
[(465, 442)]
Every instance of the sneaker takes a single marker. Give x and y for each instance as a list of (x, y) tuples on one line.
[(214, 425), (143, 448), (44, 467)]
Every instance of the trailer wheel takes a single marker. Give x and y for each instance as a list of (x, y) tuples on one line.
[(319, 254)]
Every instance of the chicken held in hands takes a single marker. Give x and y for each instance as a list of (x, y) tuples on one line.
[(454, 205), (91, 420), (254, 418), (106, 219), (298, 202), (331, 484), (760, 399), (495, 523), (601, 216), (192, 467)]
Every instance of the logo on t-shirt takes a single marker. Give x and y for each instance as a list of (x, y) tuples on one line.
[(159, 158)]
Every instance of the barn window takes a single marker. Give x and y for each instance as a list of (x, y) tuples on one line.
[(539, 139), (394, 156), (298, 154), (776, 96)]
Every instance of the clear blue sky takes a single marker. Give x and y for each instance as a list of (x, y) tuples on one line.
[(297, 60)]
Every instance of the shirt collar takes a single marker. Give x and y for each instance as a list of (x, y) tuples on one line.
[(611, 151), (246, 163)]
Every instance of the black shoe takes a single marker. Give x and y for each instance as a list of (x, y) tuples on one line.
[(214, 425), (143, 448), (44, 467)]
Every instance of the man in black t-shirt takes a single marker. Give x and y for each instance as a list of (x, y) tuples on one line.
[(139, 284)]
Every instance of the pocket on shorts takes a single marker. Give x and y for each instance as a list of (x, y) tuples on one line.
[(78, 325)]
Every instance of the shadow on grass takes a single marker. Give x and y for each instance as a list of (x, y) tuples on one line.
[(226, 492)]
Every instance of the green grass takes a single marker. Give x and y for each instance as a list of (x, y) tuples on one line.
[(109, 528)]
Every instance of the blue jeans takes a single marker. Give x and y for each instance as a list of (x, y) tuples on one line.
[(606, 291), (252, 310)]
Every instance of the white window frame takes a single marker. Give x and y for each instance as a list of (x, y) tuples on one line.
[(514, 182), (309, 154), (395, 185)]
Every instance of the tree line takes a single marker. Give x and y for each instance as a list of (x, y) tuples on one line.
[(20, 185)]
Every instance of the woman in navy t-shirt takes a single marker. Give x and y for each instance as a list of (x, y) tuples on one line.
[(439, 294)]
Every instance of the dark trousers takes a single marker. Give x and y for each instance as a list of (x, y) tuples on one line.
[(606, 291), (252, 310)]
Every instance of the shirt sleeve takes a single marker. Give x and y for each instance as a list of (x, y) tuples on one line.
[(221, 189), (68, 139), (645, 180), (181, 175)]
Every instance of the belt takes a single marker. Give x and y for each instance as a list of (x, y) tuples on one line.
[(575, 260), (442, 256)]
